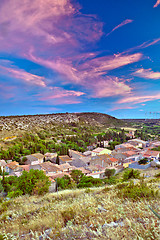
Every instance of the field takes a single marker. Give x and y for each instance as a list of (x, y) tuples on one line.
[(96, 213)]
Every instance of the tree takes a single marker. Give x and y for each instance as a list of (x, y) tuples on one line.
[(57, 160), (109, 172), (33, 182), (77, 175), (131, 173), (143, 161)]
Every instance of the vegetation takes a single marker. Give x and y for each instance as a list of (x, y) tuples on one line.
[(32, 182), (143, 161), (109, 172), (89, 213), (130, 173)]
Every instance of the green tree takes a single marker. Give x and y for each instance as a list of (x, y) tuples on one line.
[(33, 182), (143, 161), (109, 172), (77, 175), (131, 173)]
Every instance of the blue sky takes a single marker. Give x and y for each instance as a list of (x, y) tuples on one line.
[(80, 56)]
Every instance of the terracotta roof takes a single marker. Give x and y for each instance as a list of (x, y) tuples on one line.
[(25, 167), (50, 167), (152, 153), (65, 158), (58, 175), (113, 160)]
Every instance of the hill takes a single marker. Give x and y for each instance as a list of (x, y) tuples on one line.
[(96, 213), (15, 125)]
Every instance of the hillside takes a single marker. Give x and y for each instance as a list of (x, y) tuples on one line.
[(96, 213), (15, 125)]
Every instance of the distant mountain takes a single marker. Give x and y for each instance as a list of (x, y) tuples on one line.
[(16, 124)]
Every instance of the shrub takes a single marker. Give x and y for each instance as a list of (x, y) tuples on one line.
[(131, 173), (14, 194), (137, 191), (33, 182), (157, 175), (110, 181), (109, 172), (143, 161)]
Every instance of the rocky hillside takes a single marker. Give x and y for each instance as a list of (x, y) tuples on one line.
[(31, 122)]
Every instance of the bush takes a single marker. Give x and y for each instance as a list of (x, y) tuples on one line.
[(14, 194), (109, 172), (157, 175), (33, 182), (131, 173), (137, 191), (110, 181), (143, 161)]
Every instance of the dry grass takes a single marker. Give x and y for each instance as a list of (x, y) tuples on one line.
[(81, 214)]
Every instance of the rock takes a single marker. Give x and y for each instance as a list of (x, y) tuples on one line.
[(101, 209)]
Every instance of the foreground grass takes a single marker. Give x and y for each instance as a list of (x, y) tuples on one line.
[(80, 214)]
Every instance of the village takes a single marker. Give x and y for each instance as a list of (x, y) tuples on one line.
[(135, 154)]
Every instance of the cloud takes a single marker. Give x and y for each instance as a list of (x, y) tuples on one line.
[(157, 3), (91, 69), (120, 25), (57, 95), (122, 107), (25, 76), (139, 99), (57, 25), (111, 86), (147, 74)]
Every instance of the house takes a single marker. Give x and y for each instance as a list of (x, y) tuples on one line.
[(34, 159), (75, 154), (40, 157), (13, 168), (3, 165), (58, 175), (150, 154), (53, 186), (101, 151), (51, 157), (66, 167), (64, 159), (78, 163), (138, 143), (100, 175), (49, 167), (104, 161)]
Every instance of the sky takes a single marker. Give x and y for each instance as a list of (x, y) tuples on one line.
[(80, 56)]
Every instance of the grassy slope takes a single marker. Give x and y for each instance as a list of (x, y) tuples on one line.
[(80, 214)]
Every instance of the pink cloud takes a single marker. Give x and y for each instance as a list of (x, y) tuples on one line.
[(111, 86), (120, 25), (147, 73), (122, 107), (157, 3), (7, 91), (90, 69), (57, 95), (139, 99), (57, 25), (25, 76), (60, 93)]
